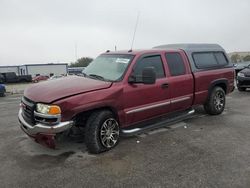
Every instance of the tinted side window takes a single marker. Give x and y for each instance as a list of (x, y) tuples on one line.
[(205, 59), (209, 59), (220, 57), (175, 64), (150, 61)]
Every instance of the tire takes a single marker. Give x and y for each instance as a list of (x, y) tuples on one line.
[(241, 88), (102, 132), (216, 102)]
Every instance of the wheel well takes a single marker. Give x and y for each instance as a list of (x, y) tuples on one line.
[(223, 86), (219, 83), (82, 117)]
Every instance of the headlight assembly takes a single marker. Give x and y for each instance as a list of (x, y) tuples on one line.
[(48, 109), (241, 74)]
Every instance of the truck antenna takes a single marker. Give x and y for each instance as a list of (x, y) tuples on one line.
[(137, 20)]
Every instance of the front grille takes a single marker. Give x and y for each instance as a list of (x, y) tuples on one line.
[(48, 121), (32, 117), (28, 110)]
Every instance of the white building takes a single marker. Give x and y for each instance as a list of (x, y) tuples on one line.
[(9, 69), (37, 69), (44, 69)]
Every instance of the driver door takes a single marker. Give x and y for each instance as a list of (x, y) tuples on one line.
[(147, 101)]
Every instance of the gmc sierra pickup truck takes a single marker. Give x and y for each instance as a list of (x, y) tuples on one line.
[(127, 92)]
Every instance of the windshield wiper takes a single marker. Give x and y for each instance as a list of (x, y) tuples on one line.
[(84, 74)]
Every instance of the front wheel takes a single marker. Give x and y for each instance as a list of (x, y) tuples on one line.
[(216, 102), (102, 131)]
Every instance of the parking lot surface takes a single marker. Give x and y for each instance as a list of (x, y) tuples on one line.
[(205, 151), (16, 88)]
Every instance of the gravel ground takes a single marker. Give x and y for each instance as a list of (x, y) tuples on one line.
[(205, 151)]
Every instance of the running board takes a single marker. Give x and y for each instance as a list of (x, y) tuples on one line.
[(162, 123)]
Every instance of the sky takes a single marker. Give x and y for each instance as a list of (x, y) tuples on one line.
[(60, 31)]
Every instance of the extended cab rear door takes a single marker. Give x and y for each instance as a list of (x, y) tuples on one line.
[(180, 80)]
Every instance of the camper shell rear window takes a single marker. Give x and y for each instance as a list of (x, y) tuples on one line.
[(209, 59)]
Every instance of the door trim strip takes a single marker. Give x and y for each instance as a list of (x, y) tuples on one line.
[(147, 107), (157, 105), (180, 99)]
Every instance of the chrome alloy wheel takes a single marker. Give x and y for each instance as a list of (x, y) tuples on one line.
[(219, 101), (109, 133)]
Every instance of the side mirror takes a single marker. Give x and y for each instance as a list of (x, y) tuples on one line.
[(148, 75), (132, 79)]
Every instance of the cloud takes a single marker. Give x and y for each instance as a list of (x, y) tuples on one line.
[(45, 31)]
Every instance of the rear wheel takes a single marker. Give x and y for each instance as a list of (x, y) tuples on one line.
[(216, 102), (102, 132)]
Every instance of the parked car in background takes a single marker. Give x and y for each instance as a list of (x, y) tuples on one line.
[(2, 90), (40, 78), (55, 77), (1, 79), (11, 77), (243, 79), (75, 70), (240, 66), (128, 92)]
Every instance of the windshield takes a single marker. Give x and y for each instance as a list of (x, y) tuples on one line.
[(108, 67)]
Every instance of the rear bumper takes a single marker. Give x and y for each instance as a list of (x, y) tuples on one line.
[(39, 128)]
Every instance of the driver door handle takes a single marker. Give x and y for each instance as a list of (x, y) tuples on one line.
[(164, 86)]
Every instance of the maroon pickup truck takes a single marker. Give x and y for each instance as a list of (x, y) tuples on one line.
[(127, 92)]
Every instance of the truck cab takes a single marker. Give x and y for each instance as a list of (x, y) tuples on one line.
[(11, 77)]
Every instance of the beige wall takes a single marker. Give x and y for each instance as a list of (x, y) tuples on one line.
[(47, 69)]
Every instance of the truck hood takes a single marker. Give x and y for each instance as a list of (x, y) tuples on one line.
[(246, 71), (52, 90)]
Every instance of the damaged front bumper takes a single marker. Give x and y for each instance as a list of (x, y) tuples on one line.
[(43, 133)]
